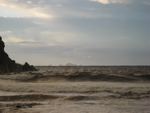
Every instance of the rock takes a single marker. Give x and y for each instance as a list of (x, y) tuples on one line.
[(8, 65), (27, 67)]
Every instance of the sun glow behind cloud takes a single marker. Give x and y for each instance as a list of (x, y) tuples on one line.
[(111, 1), (14, 40), (10, 9)]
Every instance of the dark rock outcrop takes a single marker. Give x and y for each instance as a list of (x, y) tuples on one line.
[(28, 67), (8, 65)]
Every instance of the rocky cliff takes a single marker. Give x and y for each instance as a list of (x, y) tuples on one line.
[(8, 65)]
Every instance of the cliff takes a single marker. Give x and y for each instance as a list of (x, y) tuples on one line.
[(8, 65)]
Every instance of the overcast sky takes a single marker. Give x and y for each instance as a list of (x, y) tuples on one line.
[(87, 32)]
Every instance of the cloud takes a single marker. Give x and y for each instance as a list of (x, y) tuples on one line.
[(111, 1), (85, 31), (14, 39), (12, 9), (146, 2)]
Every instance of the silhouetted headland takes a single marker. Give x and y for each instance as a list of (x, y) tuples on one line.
[(8, 65)]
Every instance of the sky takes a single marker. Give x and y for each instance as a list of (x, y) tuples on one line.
[(82, 32)]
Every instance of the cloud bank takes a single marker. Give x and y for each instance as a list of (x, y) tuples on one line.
[(12, 9), (111, 1)]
